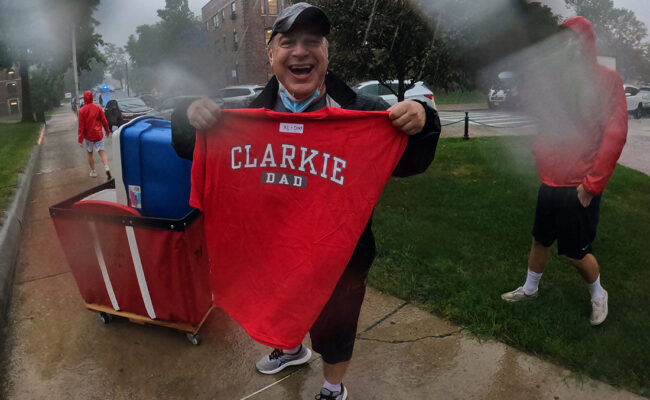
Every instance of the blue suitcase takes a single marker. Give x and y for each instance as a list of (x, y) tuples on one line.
[(154, 179)]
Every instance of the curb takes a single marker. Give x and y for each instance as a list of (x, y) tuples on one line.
[(10, 233)]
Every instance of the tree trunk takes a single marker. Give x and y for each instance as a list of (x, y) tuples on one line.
[(27, 110)]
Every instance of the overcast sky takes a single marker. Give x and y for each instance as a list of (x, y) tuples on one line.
[(119, 18)]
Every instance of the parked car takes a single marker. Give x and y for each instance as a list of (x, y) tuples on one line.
[(167, 106), (127, 109), (419, 91), (150, 99), (638, 100), (238, 96), (504, 92)]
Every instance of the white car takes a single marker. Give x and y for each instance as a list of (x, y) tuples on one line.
[(238, 96), (638, 100), (418, 92)]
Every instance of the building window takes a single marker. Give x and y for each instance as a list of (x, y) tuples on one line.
[(273, 7), (269, 7), (11, 74), (267, 35), (224, 43), (233, 9), (223, 16), (12, 88), (215, 21), (235, 41)]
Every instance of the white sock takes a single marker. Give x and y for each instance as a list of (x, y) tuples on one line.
[(596, 290), (106, 167), (293, 351), (332, 387), (532, 282)]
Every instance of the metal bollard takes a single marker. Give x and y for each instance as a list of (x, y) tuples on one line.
[(466, 136)]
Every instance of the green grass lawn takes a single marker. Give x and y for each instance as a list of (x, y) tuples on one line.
[(16, 142), (460, 97), (454, 238)]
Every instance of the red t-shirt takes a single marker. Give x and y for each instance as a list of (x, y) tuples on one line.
[(286, 198)]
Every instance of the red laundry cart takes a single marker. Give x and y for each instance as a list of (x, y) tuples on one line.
[(149, 270)]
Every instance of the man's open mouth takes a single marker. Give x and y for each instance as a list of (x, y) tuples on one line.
[(301, 70)]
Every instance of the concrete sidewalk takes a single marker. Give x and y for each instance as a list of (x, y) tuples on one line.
[(55, 349)]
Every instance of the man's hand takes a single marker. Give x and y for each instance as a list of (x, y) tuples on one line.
[(203, 114), (584, 196), (408, 116)]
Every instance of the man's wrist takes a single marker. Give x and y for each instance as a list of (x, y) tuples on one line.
[(430, 116)]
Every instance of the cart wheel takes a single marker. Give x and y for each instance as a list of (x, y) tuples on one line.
[(105, 318), (195, 339)]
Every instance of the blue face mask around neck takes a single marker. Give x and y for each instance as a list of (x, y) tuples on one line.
[(296, 106)]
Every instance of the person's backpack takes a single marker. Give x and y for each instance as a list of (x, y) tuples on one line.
[(113, 114)]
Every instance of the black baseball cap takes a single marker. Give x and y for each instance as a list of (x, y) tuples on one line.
[(304, 14)]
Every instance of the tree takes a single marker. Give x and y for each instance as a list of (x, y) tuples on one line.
[(171, 54), (618, 33), (115, 61), (46, 44), (645, 70), (484, 36), (380, 39), (46, 88), (93, 76), (445, 43)]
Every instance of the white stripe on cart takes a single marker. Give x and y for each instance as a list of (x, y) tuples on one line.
[(102, 266), (139, 272)]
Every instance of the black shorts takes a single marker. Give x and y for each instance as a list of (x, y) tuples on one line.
[(335, 330), (560, 216)]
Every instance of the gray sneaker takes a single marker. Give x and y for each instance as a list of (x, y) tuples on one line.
[(327, 395), (598, 310), (518, 295), (279, 360)]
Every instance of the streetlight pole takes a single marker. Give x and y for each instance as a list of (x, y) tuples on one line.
[(126, 67), (74, 63)]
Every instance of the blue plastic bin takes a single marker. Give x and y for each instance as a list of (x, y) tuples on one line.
[(157, 181)]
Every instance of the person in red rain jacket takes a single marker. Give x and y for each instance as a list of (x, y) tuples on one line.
[(576, 153), (90, 136)]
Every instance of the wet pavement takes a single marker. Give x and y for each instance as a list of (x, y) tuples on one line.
[(636, 153), (56, 349)]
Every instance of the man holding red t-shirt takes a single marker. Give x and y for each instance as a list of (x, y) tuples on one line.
[(298, 55)]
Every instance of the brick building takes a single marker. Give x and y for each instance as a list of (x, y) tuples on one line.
[(10, 92), (238, 31)]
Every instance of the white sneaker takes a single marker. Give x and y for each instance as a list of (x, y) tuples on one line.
[(518, 295), (327, 395), (93, 173), (599, 310)]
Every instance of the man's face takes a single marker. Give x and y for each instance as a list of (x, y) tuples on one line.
[(299, 60)]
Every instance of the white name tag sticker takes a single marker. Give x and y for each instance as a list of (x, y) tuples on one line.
[(291, 128)]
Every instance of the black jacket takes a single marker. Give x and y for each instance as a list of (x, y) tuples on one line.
[(417, 156)]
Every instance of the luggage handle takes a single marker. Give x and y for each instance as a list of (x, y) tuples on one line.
[(158, 123)]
